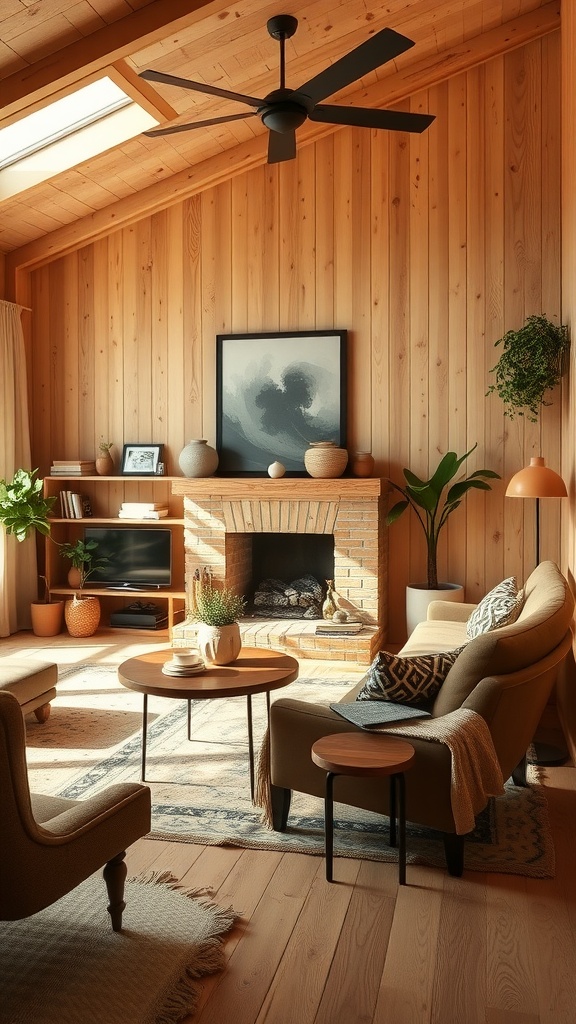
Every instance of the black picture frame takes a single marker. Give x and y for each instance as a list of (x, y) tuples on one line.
[(141, 459), (275, 393)]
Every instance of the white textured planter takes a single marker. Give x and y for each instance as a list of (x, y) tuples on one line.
[(219, 644), (418, 597)]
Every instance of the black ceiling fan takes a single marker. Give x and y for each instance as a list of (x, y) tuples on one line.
[(284, 110)]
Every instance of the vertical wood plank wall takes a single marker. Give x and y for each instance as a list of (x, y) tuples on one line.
[(426, 249)]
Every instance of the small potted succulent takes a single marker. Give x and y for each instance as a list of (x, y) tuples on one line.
[(217, 609), (23, 509), (104, 461), (82, 614)]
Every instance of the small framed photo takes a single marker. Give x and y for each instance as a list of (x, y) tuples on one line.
[(141, 459)]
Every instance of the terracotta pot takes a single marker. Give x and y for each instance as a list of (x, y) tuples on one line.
[(105, 465), (74, 577), (82, 615), (362, 464), (219, 644), (47, 617)]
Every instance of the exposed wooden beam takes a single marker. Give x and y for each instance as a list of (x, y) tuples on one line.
[(242, 158), (29, 87)]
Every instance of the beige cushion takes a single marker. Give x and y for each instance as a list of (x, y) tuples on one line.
[(26, 678)]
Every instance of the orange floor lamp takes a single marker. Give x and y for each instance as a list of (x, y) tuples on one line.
[(538, 481)]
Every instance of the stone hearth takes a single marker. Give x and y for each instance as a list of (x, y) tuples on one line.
[(221, 516)]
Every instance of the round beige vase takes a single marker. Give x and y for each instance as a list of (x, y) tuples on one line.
[(82, 615), (323, 459), (219, 645), (418, 597), (198, 459)]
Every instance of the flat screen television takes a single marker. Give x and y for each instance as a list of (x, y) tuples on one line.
[(136, 559)]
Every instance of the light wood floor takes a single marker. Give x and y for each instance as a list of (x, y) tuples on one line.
[(483, 949)]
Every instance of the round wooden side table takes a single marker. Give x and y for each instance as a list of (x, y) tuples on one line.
[(369, 756)]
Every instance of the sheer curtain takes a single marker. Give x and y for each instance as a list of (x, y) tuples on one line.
[(18, 580)]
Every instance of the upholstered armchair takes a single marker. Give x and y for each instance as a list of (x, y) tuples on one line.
[(506, 676), (49, 845)]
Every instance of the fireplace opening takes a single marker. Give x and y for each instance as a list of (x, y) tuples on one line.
[(303, 560)]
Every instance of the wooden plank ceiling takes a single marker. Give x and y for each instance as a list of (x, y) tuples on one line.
[(50, 44)]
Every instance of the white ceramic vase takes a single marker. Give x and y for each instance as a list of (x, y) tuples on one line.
[(219, 645), (418, 597), (198, 458)]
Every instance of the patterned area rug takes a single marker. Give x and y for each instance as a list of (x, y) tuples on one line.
[(201, 792), (66, 965)]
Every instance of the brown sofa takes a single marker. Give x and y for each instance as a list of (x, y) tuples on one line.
[(506, 676)]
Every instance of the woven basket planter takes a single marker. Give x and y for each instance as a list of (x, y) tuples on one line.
[(323, 459), (82, 615)]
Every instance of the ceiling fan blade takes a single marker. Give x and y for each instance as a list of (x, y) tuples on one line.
[(377, 50), (211, 90), (155, 132), (363, 117), (281, 146)]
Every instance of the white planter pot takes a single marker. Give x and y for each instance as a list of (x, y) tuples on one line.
[(219, 645), (418, 597)]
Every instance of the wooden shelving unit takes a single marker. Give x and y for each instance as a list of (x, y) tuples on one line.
[(106, 494)]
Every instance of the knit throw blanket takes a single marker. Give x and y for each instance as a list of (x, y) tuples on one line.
[(476, 773)]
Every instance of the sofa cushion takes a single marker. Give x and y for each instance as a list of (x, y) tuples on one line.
[(541, 626), (501, 606), (403, 680)]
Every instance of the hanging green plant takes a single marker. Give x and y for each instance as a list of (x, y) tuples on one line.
[(532, 363)]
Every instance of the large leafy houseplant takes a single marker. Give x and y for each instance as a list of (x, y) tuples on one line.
[(433, 503), (532, 362)]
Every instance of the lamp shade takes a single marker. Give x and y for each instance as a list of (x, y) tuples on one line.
[(536, 481)]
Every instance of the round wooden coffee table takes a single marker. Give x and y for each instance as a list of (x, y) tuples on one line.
[(362, 753), (255, 671)]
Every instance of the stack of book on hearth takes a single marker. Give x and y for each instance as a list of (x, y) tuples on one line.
[(73, 467), (143, 510), (328, 627)]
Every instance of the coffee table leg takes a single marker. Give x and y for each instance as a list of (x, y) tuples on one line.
[(189, 718), (329, 825), (399, 780), (392, 834), (144, 731), (250, 743)]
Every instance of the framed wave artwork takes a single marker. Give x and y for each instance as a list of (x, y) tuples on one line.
[(275, 394)]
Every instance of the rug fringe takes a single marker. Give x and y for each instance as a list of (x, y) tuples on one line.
[(183, 998), (224, 917), (262, 794)]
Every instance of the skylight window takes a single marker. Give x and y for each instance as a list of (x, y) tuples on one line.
[(66, 132)]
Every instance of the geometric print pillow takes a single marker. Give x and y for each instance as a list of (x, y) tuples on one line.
[(500, 607), (407, 680)]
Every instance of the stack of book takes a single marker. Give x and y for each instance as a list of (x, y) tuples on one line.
[(74, 505), (143, 510), (73, 467), (327, 627)]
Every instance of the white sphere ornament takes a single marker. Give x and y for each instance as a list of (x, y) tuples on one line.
[(276, 470)]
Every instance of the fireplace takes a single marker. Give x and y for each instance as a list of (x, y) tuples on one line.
[(223, 516)]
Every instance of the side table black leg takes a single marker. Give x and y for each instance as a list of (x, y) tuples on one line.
[(189, 719), (144, 731), (399, 779), (250, 743), (393, 812), (329, 824)]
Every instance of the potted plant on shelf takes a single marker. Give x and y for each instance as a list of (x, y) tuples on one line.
[(23, 509), (217, 610), (533, 361), (433, 504), (104, 461), (82, 614)]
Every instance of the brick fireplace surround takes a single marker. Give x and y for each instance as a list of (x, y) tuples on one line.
[(222, 514)]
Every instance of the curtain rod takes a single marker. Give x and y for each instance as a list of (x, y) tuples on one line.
[(17, 304)]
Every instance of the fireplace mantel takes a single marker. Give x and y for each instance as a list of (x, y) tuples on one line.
[(285, 487)]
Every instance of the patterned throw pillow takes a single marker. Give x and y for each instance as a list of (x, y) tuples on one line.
[(500, 607), (407, 680)]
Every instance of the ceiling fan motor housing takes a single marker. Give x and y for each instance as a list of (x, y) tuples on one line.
[(281, 113)]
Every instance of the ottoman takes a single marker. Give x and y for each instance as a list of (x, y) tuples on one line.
[(33, 683)]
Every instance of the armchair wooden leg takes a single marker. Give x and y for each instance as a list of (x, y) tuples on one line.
[(519, 773), (43, 713), (281, 799), (115, 875), (454, 853)]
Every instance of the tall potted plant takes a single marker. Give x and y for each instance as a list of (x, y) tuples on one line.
[(433, 501), (217, 610), (82, 613), (23, 509)]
